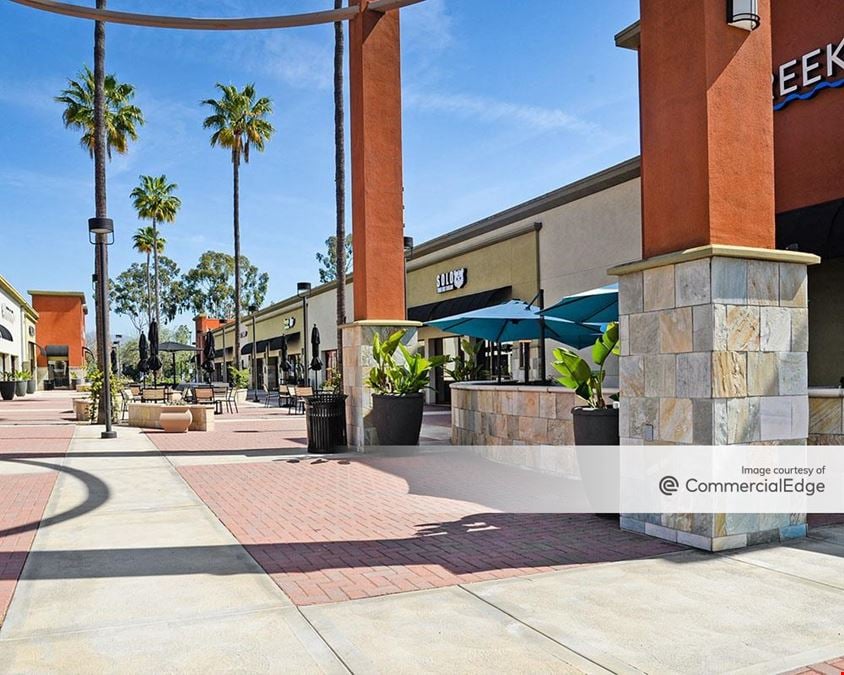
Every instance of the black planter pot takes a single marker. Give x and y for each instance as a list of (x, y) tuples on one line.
[(31, 386), (595, 432), (7, 390), (397, 419), (20, 388)]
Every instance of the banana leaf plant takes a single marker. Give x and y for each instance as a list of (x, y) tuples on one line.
[(467, 366), (576, 373), (399, 377)]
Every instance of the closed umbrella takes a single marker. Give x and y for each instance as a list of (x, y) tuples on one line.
[(315, 364), (598, 306), (209, 353), (285, 363), (143, 355), (154, 359), (113, 357)]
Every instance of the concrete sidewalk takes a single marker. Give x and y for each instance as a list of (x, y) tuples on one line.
[(135, 574), (146, 581)]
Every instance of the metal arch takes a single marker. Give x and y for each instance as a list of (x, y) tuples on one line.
[(190, 23)]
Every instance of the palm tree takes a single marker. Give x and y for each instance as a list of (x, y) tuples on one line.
[(144, 241), (154, 200), (239, 122), (339, 186), (122, 118)]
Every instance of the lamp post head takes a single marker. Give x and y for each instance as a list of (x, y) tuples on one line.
[(253, 308), (303, 289), (743, 14), (408, 246)]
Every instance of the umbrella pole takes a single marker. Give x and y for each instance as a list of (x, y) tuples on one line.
[(542, 338), (498, 362)]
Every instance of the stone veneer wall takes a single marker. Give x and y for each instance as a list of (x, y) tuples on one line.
[(713, 352), (826, 416), (357, 361), (489, 414)]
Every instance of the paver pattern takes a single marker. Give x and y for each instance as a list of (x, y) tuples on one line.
[(833, 667), (339, 529)]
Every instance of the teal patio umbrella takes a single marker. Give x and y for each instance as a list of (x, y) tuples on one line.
[(598, 306), (516, 320)]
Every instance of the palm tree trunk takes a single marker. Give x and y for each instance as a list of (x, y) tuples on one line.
[(340, 184), (101, 251), (155, 266), (236, 216), (149, 293)]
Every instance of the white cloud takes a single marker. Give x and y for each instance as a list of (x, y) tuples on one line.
[(491, 110)]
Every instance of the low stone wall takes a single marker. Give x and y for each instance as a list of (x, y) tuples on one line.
[(826, 416), (145, 415), (493, 414)]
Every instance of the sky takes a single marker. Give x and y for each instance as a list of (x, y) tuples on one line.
[(502, 102)]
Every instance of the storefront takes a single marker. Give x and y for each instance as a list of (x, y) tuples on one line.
[(17, 331), (61, 337)]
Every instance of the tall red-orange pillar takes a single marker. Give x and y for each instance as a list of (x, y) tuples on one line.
[(713, 320), (377, 206), (376, 144)]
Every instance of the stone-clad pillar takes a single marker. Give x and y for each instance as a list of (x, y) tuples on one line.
[(713, 352), (357, 361)]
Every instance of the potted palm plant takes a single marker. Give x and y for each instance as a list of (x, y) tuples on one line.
[(21, 378), (397, 386), (597, 422)]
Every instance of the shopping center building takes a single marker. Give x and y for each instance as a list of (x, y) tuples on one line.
[(17, 331)]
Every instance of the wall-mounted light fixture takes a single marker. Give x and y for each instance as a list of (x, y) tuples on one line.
[(743, 14)]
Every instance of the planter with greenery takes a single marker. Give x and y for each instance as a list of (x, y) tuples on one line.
[(21, 378), (117, 385), (239, 379), (597, 422), (467, 366), (397, 386), (7, 386)]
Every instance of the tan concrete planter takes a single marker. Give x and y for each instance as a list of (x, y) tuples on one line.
[(175, 419), (81, 409), (147, 416)]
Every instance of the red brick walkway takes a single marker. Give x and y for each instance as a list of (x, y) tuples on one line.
[(343, 529), (833, 667)]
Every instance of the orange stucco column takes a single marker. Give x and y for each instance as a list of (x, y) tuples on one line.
[(707, 128), (377, 205)]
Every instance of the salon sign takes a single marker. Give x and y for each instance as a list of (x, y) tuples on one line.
[(452, 280), (803, 78)]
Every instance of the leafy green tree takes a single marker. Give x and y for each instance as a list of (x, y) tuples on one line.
[(154, 200), (239, 122), (330, 260), (129, 293), (122, 118), (209, 288), (144, 241)]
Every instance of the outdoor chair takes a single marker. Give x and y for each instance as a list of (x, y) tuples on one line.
[(301, 394), (154, 395), (128, 397), (270, 395), (288, 398), (231, 400), (221, 395), (135, 389)]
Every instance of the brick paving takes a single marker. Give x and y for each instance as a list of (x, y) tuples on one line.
[(26, 441), (241, 436), (332, 530), (834, 667)]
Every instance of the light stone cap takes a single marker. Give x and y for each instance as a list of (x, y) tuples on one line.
[(489, 386), (713, 251), (392, 323), (826, 392)]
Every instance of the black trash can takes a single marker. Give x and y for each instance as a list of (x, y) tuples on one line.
[(326, 418)]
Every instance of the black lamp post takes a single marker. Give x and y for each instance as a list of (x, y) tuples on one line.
[(303, 290), (253, 309), (117, 339), (223, 323), (408, 251), (101, 234), (743, 14)]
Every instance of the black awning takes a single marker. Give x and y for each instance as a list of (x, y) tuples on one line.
[(815, 229), (5, 333), (465, 303), (273, 343), (56, 350)]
